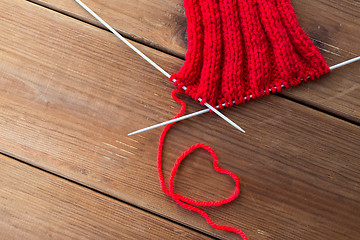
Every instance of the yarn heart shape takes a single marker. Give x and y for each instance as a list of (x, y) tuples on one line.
[(216, 167), (189, 203)]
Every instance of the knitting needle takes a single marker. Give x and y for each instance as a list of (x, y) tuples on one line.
[(345, 63), (150, 61), (207, 110)]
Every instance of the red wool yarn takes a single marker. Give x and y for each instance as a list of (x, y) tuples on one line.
[(187, 202), (238, 50)]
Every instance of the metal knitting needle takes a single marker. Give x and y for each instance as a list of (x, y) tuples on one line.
[(151, 62), (207, 110), (345, 63)]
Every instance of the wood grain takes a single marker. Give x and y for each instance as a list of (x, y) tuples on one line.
[(71, 93), (158, 23), (332, 25), (38, 205)]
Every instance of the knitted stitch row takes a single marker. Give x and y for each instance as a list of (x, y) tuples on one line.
[(238, 48)]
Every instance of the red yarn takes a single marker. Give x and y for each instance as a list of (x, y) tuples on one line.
[(188, 202), (243, 48), (238, 50)]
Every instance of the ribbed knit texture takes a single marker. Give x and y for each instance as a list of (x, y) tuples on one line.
[(244, 49)]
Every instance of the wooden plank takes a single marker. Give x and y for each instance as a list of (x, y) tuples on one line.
[(71, 93), (160, 24), (332, 26), (38, 205)]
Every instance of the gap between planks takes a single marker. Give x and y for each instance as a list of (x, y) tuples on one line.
[(303, 103), (79, 184), (97, 24)]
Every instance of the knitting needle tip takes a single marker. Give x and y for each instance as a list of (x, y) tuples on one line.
[(240, 129), (133, 133), (224, 117), (170, 121)]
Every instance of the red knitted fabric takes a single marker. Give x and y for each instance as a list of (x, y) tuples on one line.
[(243, 49)]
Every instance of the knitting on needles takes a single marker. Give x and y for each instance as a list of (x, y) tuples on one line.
[(152, 62), (207, 110)]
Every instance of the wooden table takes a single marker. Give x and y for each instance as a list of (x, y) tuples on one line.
[(71, 91)]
